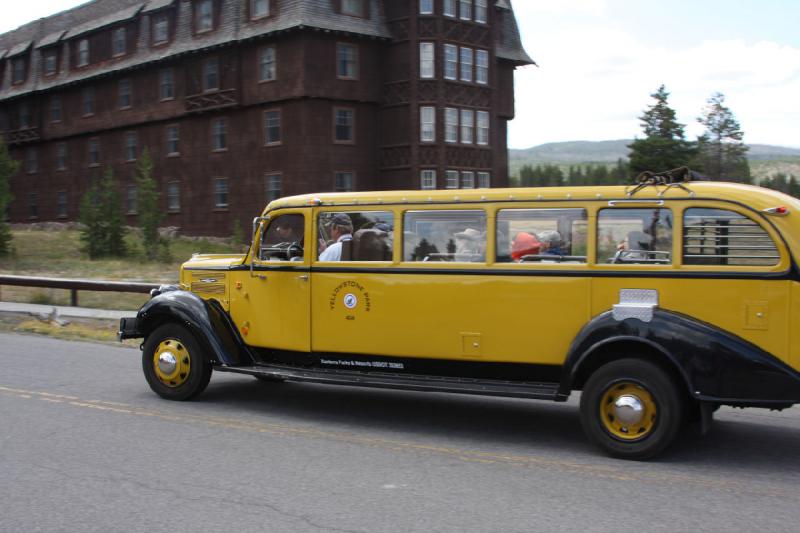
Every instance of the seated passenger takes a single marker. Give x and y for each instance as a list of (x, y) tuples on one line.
[(635, 246), (470, 245), (341, 230), (524, 244), (551, 242)]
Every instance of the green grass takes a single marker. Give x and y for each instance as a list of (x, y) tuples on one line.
[(49, 253)]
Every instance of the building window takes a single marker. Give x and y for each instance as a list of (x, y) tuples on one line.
[(124, 99), (33, 205), (427, 124), (118, 41), (450, 62), (346, 61), (24, 115), (481, 11), (272, 126), (451, 179), (88, 101), (450, 125), (31, 161), (273, 187), (172, 136), (61, 204), (173, 196), (427, 179), (484, 180), (343, 181), (482, 67), (166, 86), (131, 145), (466, 64), (131, 200), (61, 156), (425, 7), (483, 128), (83, 52), (55, 109), (266, 64), (344, 130), (50, 62), (221, 193), (467, 179), (18, 70), (449, 8), (466, 9), (211, 74), (94, 152), (204, 16), (160, 28), (467, 118), (427, 66), (259, 9), (219, 134), (354, 8)]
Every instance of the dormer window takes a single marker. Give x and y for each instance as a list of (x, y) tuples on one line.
[(354, 8), (83, 52), (18, 70), (259, 9), (50, 62), (160, 28), (118, 42), (204, 16)]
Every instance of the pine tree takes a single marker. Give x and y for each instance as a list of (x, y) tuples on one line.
[(8, 167), (150, 215), (103, 232), (722, 156), (665, 146)]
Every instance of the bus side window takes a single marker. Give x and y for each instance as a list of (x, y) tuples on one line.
[(455, 236), (283, 240), (541, 235), (634, 236), (720, 237), (356, 236)]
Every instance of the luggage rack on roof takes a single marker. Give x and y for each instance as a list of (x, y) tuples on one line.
[(677, 178)]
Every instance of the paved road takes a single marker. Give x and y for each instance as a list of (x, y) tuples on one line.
[(85, 446)]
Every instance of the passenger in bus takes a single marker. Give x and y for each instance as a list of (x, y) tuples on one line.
[(551, 242), (525, 243), (470, 245), (634, 247), (340, 228)]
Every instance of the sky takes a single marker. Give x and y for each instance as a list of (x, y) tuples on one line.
[(600, 60)]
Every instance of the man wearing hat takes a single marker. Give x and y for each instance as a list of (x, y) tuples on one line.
[(340, 228)]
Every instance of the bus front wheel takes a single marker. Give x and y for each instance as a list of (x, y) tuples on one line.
[(631, 408)]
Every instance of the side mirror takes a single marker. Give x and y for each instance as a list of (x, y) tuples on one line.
[(255, 244)]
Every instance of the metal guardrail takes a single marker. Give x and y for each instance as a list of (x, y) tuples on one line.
[(75, 285)]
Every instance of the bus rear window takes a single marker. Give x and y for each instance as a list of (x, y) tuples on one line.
[(634, 236), (457, 236)]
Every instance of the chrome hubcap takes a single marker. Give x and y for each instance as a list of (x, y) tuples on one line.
[(167, 363), (629, 409)]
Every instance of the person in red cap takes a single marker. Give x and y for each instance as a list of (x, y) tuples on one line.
[(524, 244)]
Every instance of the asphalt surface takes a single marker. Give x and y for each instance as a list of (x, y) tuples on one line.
[(86, 446)]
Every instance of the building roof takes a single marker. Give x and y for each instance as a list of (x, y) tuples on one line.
[(233, 27)]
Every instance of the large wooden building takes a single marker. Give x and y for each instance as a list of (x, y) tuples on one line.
[(242, 101)]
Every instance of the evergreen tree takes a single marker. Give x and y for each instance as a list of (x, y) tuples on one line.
[(722, 156), (103, 232), (150, 215), (8, 167), (664, 146)]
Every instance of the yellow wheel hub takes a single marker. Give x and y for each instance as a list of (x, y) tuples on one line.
[(171, 363), (627, 411)]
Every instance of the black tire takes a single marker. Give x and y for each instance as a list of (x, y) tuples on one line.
[(648, 386), (192, 372)]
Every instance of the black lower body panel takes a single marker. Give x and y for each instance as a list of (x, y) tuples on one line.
[(415, 382)]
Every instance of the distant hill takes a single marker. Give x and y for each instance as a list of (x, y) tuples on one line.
[(764, 159)]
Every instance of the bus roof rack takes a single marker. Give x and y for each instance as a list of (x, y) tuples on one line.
[(675, 178)]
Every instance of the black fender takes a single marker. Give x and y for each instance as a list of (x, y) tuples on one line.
[(205, 318), (714, 365)]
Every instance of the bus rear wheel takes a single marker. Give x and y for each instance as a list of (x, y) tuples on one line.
[(631, 408)]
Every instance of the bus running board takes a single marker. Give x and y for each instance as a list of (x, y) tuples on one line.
[(484, 387)]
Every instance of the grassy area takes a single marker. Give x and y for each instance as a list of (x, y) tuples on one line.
[(57, 253), (78, 329)]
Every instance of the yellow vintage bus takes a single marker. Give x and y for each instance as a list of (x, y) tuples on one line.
[(660, 302)]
